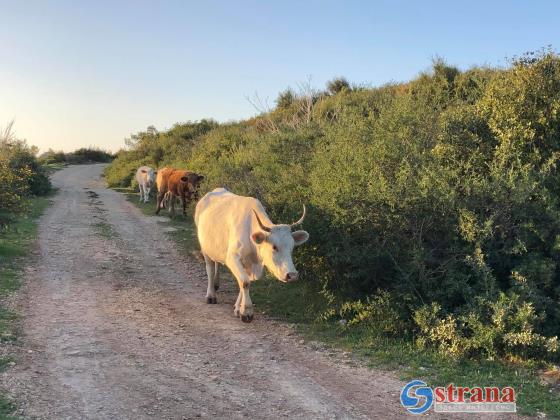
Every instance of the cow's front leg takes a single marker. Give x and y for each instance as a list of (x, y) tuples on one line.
[(237, 305), (210, 271), (184, 202), (246, 306), (171, 205), (141, 192)]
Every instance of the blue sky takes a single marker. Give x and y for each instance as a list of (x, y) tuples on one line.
[(80, 73)]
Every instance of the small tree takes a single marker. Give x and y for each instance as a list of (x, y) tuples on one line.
[(337, 85), (285, 99)]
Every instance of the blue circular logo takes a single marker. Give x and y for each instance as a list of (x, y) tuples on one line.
[(417, 397)]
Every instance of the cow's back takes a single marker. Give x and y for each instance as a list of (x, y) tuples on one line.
[(209, 200), (162, 179), (174, 182), (222, 217), (142, 174)]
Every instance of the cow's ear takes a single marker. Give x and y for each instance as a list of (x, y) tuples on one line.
[(184, 179), (143, 171), (300, 237), (200, 178), (258, 237)]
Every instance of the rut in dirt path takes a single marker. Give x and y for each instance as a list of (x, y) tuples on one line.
[(115, 325)]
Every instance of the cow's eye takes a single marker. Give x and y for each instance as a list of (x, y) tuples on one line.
[(274, 247)]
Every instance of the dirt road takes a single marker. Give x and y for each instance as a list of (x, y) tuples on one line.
[(115, 325)]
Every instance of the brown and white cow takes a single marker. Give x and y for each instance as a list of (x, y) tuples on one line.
[(161, 183), (177, 183), (235, 231)]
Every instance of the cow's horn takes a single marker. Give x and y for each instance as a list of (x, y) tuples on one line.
[(300, 221), (263, 227)]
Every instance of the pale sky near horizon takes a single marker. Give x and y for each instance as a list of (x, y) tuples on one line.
[(89, 73)]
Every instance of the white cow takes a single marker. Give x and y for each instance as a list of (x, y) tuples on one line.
[(236, 231), (146, 177)]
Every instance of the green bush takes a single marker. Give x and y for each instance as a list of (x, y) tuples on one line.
[(82, 155), (20, 175), (504, 328), (380, 314), (443, 192), (337, 85), (90, 154), (50, 156), (14, 187), (120, 174), (21, 157)]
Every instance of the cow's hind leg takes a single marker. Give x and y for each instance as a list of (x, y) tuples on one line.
[(216, 276), (159, 201), (210, 292), (141, 192)]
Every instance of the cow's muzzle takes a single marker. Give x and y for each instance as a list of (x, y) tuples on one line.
[(291, 276)]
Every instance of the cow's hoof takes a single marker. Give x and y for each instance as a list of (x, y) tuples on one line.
[(211, 300), (216, 287), (246, 318)]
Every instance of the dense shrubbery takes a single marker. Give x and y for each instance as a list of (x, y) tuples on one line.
[(83, 155), (20, 174), (439, 196), (504, 327), (13, 189)]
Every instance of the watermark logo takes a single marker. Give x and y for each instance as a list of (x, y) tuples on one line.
[(417, 398)]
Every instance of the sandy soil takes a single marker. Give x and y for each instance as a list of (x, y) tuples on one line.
[(116, 326)]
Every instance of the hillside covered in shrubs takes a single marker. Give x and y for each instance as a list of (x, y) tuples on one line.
[(433, 205)]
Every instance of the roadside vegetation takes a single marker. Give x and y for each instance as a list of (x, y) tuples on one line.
[(24, 189), (16, 241), (21, 175), (433, 210)]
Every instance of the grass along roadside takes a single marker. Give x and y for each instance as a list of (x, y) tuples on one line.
[(300, 304), (16, 241)]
